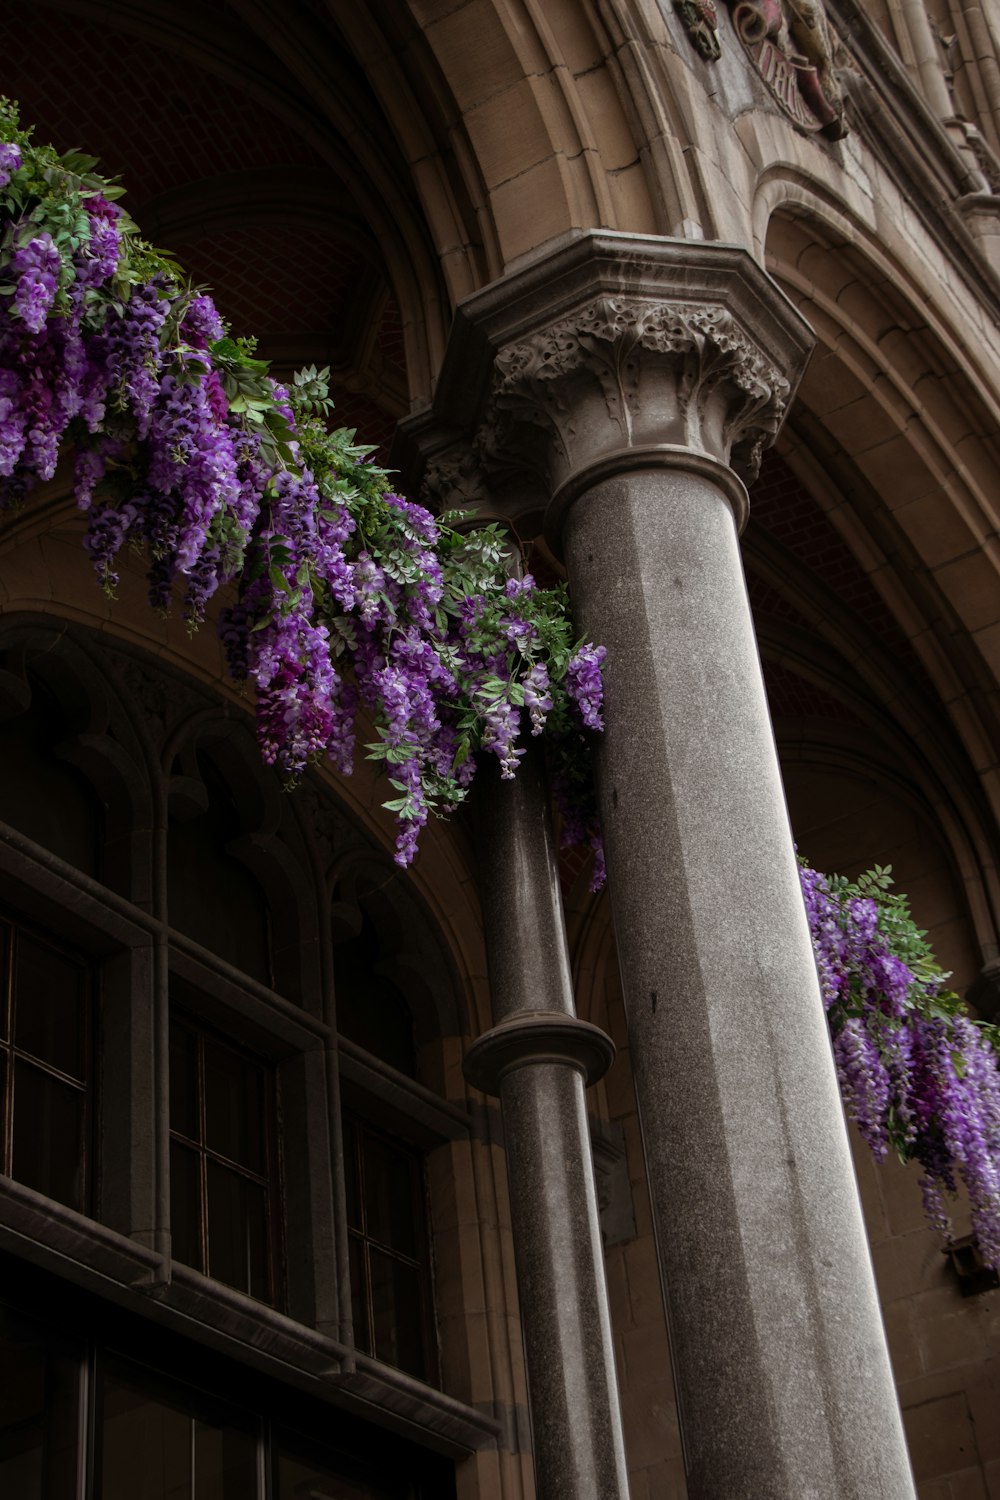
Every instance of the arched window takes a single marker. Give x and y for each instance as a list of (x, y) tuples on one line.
[(170, 1041), (370, 1009), (41, 793), (211, 895)]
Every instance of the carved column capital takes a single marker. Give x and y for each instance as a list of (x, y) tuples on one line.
[(621, 345), (448, 471), (645, 374)]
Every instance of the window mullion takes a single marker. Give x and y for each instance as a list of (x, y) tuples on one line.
[(202, 1154), (8, 1097), (6, 1124)]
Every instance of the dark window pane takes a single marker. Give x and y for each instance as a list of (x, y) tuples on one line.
[(146, 1447), (234, 1107), (157, 1448), (185, 1206), (237, 1232), (22, 1420), (397, 1312), (351, 1176), (184, 1082), (389, 1196), (42, 795), (300, 1480), (48, 1005), (48, 1135), (39, 1406), (359, 1295), (212, 896), (4, 960), (225, 1463), (370, 1010)]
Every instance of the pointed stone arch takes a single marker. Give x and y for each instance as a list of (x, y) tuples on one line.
[(895, 435)]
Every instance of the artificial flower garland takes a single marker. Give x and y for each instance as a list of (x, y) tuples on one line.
[(348, 595)]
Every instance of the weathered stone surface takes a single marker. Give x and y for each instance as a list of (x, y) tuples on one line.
[(537, 1057), (635, 413), (783, 1379)]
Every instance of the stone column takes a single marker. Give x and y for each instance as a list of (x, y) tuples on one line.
[(639, 374), (539, 1057)]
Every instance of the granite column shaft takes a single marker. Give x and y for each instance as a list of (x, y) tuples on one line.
[(783, 1378), (636, 377), (538, 1057)]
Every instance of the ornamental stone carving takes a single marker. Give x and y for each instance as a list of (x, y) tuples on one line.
[(628, 373), (607, 352), (793, 50), (701, 19), (452, 481)]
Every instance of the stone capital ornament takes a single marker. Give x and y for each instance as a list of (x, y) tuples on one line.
[(615, 350)]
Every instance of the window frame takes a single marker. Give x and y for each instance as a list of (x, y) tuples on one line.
[(93, 1339), (411, 1116), (14, 927), (272, 1179), (360, 1126), (123, 1238)]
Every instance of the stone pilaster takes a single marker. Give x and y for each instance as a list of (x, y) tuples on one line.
[(639, 378)]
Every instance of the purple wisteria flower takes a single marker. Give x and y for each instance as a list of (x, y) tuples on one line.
[(10, 161), (201, 324), (346, 593), (99, 257), (537, 697), (585, 686), (917, 1075), (36, 266)]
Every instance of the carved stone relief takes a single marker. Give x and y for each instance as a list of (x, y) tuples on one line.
[(701, 18), (793, 49), (452, 481), (157, 701), (614, 1191)]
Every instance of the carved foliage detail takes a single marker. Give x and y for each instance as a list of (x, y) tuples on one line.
[(452, 481), (157, 701), (606, 338)]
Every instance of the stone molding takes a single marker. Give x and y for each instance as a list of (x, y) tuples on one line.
[(544, 1036), (654, 456)]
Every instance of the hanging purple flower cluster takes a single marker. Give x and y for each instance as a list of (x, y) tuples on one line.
[(183, 446), (916, 1073)]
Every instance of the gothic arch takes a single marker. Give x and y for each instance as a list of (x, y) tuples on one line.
[(101, 741), (894, 436), (330, 109)]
